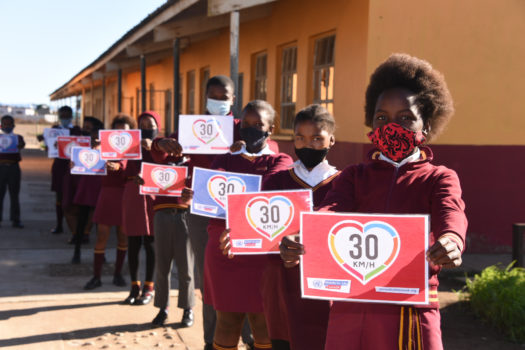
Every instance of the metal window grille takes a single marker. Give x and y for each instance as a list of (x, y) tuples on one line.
[(205, 76), (260, 76), (323, 78), (190, 92), (288, 86), (151, 98)]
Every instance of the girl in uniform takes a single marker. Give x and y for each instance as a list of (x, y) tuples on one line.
[(108, 213), (407, 104)]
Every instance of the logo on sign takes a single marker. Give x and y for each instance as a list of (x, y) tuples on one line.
[(88, 158), (220, 186), (269, 216), (5, 142), (67, 148), (164, 177), (364, 251), (120, 141), (206, 130)]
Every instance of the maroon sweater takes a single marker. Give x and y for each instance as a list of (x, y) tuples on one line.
[(414, 188)]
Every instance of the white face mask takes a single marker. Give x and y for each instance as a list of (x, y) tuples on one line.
[(218, 107)]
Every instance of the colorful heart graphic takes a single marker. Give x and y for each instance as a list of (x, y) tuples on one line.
[(5, 142), (269, 216), (120, 141), (88, 158), (364, 251), (220, 186), (206, 130), (68, 147), (164, 177)]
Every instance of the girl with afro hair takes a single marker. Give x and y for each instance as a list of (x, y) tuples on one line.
[(407, 105)]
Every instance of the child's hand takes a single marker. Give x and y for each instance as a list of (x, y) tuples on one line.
[(187, 195), (138, 180), (445, 253), (71, 165), (170, 146), (225, 244), (291, 250), (112, 166), (95, 144), (146, 144), (237, 146)]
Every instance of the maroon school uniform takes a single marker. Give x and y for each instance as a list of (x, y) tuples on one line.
[(70, 184), (302, 322), (108, 210), (234, 285), (88, 190), (137, 214), (413, 188)]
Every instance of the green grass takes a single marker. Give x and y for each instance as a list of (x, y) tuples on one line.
[(497, 296)]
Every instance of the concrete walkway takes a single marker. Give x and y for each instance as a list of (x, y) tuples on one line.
[(43, 305)]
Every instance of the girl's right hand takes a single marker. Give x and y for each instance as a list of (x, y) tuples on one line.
[(138, 180), (291, 250), (187, 195), (225, 243)]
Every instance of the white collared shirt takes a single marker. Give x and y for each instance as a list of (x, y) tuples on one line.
[(412, 158), (266, 150), (319, 173)]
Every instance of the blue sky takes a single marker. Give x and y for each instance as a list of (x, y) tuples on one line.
[(43, 43)]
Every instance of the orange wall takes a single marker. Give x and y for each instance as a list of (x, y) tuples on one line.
[(477, 44)]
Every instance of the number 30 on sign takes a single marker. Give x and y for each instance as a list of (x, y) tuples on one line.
[(258, 221), (365, 257), (163, 180)]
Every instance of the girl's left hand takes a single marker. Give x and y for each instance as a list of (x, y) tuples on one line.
[(225, 244), (112, 166), (445, 253), (237, 146), (146, 144)]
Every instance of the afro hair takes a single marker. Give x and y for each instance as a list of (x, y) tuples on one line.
[(433, 98)]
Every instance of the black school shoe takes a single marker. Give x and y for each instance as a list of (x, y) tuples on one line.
[(160, 319), (57, 230), (145, 298), (118, 280), (187, 318), (93, 283), (133, 295), (17, 224)]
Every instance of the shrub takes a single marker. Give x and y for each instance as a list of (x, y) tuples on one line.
[(498, 296)]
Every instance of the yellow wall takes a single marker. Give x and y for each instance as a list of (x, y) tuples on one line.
[(477, 44)]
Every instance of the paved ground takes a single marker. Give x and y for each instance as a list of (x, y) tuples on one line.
[(43, 305)]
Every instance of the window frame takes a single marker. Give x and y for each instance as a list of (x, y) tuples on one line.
[(280, 82), (313, 68), (258, 76)]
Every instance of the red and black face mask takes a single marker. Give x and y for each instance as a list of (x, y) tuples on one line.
[(396, 142)]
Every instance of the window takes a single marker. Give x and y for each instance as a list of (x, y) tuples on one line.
[(323, 69), (205, 76), (259, 76), (190, 92), (288, 81)]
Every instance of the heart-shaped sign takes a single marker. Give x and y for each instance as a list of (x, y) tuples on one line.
[(164, 177), (220, 186), (206, 130), (68, 147), (88, 158), (120, 141), (269, 216), (5, 142), (364, 251)]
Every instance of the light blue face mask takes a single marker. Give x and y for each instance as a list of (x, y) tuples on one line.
[(218, 107), (65, 122)]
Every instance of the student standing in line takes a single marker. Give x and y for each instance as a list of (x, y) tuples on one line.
[(137, 215), (10, 174), (407, 104), (233, 286), (108, 213), (87, 192)]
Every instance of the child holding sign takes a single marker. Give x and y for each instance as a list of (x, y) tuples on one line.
[(233, 286), (10, 173), (137, 215), (294, 322), (407, 103), (108, 212)]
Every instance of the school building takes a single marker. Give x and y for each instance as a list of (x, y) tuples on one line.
[(296, 52)]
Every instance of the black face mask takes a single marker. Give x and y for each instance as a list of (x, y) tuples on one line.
[(253, 137), (311, 157), (85, 133), (149, 134)]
